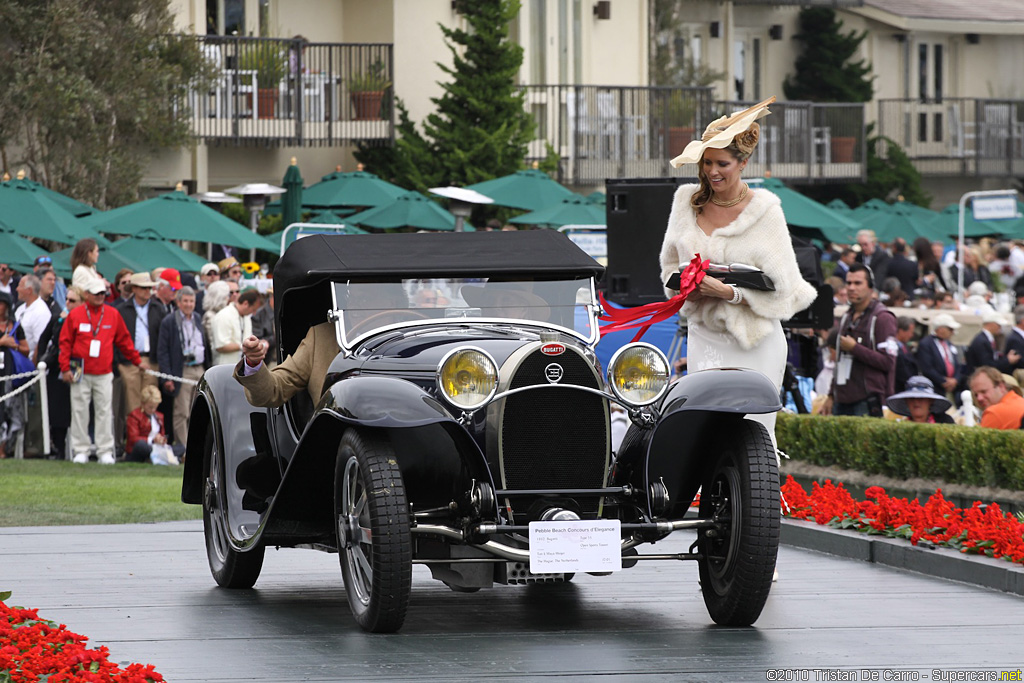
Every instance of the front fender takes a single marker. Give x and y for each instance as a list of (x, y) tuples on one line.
[(700, 411)]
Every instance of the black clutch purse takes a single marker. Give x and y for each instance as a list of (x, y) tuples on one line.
[(736, 274)]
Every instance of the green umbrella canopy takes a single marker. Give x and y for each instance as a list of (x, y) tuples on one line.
[(108, 266), (72, 206), (291, 201), (357, 188), (529, 190), (176, 216), (597, 198), (150, 250), (412, 209), (947, 223), (815, 218), (838, 205), (575, 210), (335, 218), (898, 220), (17, 251), (28, 211)]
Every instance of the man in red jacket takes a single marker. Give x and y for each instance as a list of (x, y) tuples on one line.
[(87, 342)]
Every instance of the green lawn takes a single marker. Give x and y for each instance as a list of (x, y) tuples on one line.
[(51, 493)]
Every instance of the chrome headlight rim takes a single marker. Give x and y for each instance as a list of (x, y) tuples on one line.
[(440, 384), (611, 369)]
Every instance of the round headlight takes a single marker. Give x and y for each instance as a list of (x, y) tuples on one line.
[(638, 374), (467, 377)]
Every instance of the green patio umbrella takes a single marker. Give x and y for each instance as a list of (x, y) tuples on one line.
[(291, 201), (412, 209), (358, 188), (149, 249), (176, 216), (890, 221), (109, 264), (529, 190), (808, 218), (597, 198), (335, 218), (947, 224), (838, 205), (17, 251), (72, 206), (28, 211), (575, 210)]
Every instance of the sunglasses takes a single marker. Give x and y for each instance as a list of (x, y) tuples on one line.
[(74, 301), (125, 282)]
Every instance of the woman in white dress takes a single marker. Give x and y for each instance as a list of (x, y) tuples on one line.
[(725, 221), (84, 258)]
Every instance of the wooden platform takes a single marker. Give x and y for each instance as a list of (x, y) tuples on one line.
[(145, 591)]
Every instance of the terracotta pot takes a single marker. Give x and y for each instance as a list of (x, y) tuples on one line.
[(842, 149), (367, 104), (266, 102), (679, 138)]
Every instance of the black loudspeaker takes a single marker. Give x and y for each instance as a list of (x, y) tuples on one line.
[(637, 214)]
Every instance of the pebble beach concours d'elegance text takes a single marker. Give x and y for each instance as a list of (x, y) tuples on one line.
[(894, 675)]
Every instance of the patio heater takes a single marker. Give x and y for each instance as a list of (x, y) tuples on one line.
[(254, 196), (461, 202), (215, 201)]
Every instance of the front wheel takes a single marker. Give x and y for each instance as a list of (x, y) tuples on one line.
[(230, 568), (374, 541), (740, 492)]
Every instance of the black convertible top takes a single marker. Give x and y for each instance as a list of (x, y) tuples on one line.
[(302, 276)]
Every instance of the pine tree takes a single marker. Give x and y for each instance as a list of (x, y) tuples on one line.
[(824, 72), (481, 128)]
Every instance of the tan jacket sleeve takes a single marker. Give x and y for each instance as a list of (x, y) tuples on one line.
[(272, 388)]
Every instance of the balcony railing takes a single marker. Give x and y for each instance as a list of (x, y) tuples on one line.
[(269, 91), (619, 132), (957, 136)]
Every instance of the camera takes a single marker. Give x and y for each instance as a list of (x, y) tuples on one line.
[(190, 359)]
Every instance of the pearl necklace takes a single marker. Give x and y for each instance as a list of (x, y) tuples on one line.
[(730, 202)]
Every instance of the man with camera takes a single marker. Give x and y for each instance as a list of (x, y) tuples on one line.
[(182, 352)]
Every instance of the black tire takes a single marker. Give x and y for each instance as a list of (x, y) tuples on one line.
[(372, 523), (742, 491), (230, 568)]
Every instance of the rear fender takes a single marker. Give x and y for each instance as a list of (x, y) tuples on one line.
[(698, 415)]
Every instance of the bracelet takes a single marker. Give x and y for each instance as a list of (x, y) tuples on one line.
[(737, 295)]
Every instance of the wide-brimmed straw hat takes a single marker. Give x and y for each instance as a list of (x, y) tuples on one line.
[(720, 132), (918, 386)]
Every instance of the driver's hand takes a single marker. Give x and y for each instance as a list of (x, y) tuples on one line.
[(254, 350)]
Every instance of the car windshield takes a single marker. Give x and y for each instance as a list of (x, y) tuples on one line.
[(369, 306)]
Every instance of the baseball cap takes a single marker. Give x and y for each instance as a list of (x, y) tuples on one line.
[(96, 286), (209, 268), (172, 277), (41, 260), (944, 320), (992, 317)]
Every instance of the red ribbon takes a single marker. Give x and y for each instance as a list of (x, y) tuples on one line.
[(644, 316)]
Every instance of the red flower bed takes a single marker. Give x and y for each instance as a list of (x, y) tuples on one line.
[(980, 529), (34, 649)]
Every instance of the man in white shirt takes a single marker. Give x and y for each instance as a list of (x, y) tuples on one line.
[(33, 314), (233, 324)]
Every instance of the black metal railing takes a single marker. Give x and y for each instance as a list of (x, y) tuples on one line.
[(604, 132), (957, 136), (271, 91)]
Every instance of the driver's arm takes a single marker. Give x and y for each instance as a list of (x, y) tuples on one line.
[(272, 388)]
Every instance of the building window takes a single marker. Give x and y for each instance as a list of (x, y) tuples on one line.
[(538, 42), (937, 76), (739, 69), (922, 71), (756, 68), (225, 17)]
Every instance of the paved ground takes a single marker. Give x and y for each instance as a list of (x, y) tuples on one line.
[(145, 591)]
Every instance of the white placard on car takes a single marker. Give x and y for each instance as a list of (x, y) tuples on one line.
[(577, 546)]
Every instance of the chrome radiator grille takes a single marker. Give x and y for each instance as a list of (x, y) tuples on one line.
[(554, 439)]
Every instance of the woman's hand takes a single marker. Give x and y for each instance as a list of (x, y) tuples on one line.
[(715, 288)]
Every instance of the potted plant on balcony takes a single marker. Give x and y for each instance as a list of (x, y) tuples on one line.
[(366, 90), (680, 116), (268, 62)]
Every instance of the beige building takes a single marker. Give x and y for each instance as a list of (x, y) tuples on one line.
[(948, 86)]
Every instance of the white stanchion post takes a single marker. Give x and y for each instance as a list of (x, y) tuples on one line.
[(44, 407)]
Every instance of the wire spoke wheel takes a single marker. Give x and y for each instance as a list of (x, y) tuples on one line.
[(231, 568), (741, 494), (372, 524)]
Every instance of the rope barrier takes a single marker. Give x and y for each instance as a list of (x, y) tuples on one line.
[(36, 375), (164, 375)]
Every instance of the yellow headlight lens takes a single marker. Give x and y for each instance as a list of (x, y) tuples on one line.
[(468, 378), (638, 374)]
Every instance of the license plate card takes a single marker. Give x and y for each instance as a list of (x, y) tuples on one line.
[(576, 546)]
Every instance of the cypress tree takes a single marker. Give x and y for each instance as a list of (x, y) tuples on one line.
[(824, 72)]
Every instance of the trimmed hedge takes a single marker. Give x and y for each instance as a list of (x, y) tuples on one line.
[(965, 455)]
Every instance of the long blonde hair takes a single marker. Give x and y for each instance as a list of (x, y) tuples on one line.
[(741, 147)]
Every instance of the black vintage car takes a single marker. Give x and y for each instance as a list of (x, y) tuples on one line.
[(465, 425)]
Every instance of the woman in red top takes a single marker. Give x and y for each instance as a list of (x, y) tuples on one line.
[(145, 427)]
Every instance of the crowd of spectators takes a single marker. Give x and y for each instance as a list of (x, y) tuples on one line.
[(102, 341), (884, 354)]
